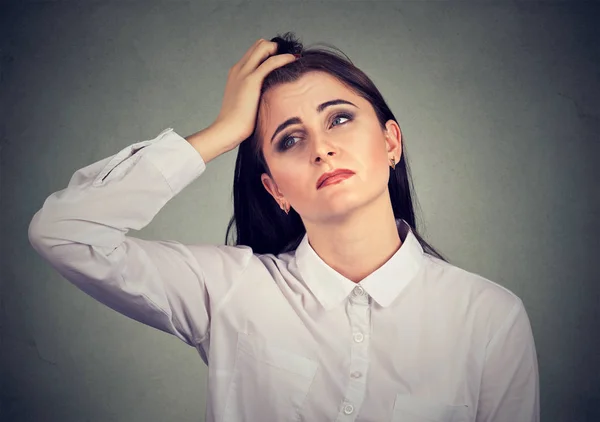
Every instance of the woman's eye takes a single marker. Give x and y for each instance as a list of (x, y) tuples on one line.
[(284, 142), (341, 116), (285, 145)]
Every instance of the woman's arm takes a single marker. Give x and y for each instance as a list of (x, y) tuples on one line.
[(82, 232), (510, 382)]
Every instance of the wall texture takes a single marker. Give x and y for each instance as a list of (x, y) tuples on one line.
[(499, 105)]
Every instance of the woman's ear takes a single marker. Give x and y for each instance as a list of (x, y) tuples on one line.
[(393, 139), (271, 187)]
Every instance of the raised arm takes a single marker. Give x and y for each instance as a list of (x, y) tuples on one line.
[(82, 232)]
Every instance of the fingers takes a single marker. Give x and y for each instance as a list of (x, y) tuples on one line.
[(273, 63), (248, 53), (260, 52), (260, 60)]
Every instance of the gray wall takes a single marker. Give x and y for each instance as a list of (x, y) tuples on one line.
[(499, 104)]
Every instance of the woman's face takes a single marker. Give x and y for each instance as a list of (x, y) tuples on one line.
[(346, 136)]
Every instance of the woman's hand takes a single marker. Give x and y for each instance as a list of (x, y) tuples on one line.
[(237, 117)]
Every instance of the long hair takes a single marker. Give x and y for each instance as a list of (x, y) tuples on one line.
[(259, 221)]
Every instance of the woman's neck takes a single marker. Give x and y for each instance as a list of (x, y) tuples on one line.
[(360, 243)]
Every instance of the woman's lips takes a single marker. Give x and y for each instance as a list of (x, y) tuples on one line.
[(335, 179)]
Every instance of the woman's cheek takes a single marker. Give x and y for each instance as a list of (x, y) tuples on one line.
[(293, 181)]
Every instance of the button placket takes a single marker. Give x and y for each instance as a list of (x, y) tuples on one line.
[(359, 314)]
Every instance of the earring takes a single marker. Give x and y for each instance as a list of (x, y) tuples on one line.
[(285, 208)]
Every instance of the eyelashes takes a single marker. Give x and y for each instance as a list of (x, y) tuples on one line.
[(283, 146)]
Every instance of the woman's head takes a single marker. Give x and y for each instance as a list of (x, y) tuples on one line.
[(326, 136), (275, 168)]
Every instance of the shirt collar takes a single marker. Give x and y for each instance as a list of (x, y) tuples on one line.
[(383, 285)]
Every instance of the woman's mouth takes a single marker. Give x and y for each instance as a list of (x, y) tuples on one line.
[(335, 179)]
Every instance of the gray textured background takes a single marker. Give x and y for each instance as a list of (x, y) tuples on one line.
[(499, 105)]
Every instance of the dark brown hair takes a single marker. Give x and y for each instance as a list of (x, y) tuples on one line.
[(259, 221)]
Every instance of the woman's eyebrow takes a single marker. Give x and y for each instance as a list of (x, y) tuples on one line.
[(297, 120)]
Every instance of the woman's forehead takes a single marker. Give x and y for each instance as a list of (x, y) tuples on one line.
[(313, 86), (302, 96)]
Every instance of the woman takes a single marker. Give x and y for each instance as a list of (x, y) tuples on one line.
[(330, 306)]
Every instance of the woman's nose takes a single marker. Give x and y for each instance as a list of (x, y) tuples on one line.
[(323, 147)]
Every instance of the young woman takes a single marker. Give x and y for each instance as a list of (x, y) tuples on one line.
[(330, 306)]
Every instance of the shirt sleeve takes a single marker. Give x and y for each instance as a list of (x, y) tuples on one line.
[(510, 381), (82, 232)]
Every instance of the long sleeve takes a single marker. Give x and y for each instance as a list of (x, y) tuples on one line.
[(82, 232), (510, 381)]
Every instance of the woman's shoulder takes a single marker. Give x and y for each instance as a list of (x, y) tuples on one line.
[(456, 280)]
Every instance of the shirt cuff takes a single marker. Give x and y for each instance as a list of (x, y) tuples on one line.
[(176, 159)]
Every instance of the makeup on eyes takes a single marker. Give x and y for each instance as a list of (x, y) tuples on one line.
[(335, 115)]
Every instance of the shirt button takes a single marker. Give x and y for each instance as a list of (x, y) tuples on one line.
[(356, 374), (358, 337), (348, 409), (359, 291)]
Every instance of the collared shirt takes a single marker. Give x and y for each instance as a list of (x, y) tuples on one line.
[(286, 337)]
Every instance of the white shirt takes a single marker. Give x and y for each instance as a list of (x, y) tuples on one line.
[(287, 338)]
